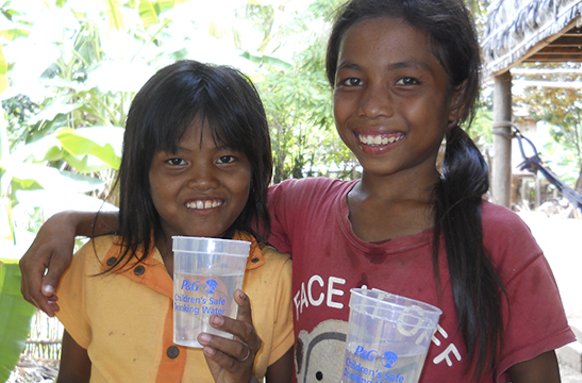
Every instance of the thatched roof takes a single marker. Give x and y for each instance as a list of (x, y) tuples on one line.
[(531, 31)]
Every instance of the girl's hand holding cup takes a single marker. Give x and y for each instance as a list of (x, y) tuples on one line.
[(231, 360)]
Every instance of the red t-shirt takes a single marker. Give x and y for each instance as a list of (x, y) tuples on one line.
[(310, 221)]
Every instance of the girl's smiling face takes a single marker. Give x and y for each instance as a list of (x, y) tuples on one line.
[(391, 99), (202, 188)]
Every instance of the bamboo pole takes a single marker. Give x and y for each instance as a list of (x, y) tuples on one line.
[(501, 177)]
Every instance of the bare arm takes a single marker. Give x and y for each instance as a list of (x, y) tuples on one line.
[(282, 370), (51, 252), (541, 369), (75, 363)]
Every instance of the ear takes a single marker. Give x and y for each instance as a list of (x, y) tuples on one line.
[(458, 102)]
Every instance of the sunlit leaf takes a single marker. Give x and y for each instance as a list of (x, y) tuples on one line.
[(15, 315), (3, 64), (13, 33), (51, 178), (102, 142), (58, 106), (148, 13), (259, 58)]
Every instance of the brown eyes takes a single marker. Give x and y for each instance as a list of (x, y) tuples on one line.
[(226, 160), (404, 81), (175, 161)]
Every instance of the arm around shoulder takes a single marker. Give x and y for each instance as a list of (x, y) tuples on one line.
[(282, 370), (541, 369), (52, 250)]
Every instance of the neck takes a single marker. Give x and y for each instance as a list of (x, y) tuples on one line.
[(413, 185), (387, 207)]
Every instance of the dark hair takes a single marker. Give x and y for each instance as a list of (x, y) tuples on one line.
[(222, 99), (476, 285)]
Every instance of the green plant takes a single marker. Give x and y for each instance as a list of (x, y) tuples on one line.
[(15, 315)]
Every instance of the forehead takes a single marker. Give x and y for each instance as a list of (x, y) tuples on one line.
[(201, 132), (386, 41)]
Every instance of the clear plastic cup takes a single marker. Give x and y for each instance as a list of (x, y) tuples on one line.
[(207, 272), (388, 337)]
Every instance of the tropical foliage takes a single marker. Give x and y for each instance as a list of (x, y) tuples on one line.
[(15, 316)]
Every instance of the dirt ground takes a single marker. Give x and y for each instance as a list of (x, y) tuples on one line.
[(32, 370)]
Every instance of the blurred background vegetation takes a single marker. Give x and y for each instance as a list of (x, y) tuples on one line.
[(69, 70)]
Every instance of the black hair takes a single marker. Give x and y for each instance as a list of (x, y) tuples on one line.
[(226, 103), (476, 284)]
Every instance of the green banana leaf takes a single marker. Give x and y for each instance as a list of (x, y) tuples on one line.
[(149, 11), (15, 317), (85, 149), (97, 141)]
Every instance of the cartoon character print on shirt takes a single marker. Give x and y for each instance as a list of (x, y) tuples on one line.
[(317, 353)]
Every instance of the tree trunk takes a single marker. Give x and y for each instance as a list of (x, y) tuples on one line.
[(578, 186)]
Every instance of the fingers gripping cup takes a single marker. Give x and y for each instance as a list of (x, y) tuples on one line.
[(207, 272), (388, 337)]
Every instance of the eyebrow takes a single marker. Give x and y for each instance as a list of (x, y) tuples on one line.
[(399, 65)]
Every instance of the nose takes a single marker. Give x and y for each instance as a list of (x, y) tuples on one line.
[(202, 177), (375, 101)]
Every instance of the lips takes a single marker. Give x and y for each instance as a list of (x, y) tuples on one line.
[(379, 139), (202, 204)]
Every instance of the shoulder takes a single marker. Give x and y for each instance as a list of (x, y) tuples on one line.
[(502, 222), (97, 249), (104, 243), (274, 258), (493, 213), (317, 184), (270, 279), (314, 186), (508, 239), (276, 268), (87, 261)]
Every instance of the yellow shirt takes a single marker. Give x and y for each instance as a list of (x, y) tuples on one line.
[(125, 319)]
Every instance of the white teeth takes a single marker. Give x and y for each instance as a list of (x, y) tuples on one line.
[(199, 205), (378, 139)]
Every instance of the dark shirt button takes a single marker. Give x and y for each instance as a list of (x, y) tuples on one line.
[(173, 352), (139, 270), (111, 261), (255, 260)]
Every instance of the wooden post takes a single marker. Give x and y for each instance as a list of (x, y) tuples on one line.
[(501, 172)]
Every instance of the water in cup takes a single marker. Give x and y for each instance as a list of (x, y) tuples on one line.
[(388, 337), (207, 272), (197, 297), (362, 367)]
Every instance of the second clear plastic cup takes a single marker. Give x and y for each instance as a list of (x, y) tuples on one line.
[(388, 337), (207, 272)]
